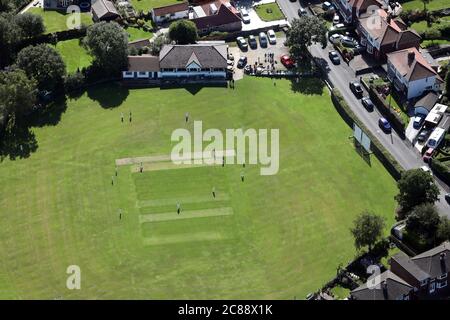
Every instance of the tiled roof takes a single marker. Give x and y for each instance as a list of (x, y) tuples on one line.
[(173, 8), (411, 69), (144, 63), (205, 55), (391, 287), (430, 261), (223, 16)]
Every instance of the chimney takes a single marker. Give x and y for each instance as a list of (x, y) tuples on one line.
[(442, 260), (388, 19), (411, 56), (384, 287)]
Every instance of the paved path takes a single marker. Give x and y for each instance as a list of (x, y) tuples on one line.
[(30, 5)]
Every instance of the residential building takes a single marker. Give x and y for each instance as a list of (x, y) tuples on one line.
[(351, 10), (218, 15), (425, 104), (202, 62), (104, 10), (381, 34), (388, 287), (170, 12), (427, 272), (411, 74)]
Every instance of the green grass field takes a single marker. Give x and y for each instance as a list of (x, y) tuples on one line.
[(73, 54), (278, 236), (138, 34), (57, 21), (269, 12), (431, 6), (147, 5)]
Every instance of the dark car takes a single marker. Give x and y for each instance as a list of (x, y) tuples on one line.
[(302, 12), (252, 42), (384, 125), (242, 62), (447, 197), (423, 135), (367, 103), (355, 86), (334, 57)]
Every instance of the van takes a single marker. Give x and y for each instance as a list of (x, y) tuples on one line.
[(435, 138)]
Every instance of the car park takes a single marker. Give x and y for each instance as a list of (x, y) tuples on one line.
[(245, 16), (335, 38), (272, 36), (356, 88), (242, 43), (428, 155), (302, 12), (384, 125), (417, 122), (334, 57), (287, 61), (367, 103), (252, 42), (242, 62), (263, 40)]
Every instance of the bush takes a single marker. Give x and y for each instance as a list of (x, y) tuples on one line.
[(441, 170)]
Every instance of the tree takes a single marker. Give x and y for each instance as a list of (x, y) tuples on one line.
[(30, 25), (443, 232), (303, 33), (183, 32), (367, 229), (158, 43), (416, 187), (17, 92), (10, 36), (108, 44), (44, 64), (424, 221)]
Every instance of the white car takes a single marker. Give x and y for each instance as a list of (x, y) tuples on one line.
[(336, 19), (337, 26), (426, 169), (245, 16), (335, 38), (272, 36)]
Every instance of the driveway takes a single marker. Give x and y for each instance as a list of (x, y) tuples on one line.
[(255, 20)]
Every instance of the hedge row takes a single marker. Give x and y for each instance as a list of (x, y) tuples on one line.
[(391, 165), (441, 170)]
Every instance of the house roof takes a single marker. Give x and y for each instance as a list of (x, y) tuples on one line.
[(102, 8), (391, 287), (362, 5), (427, 101), (205, 55), (377, 25), (406, 263), (224, 16), (143, 63), (173, 8), (431, 261), (408, 36), (412, 69)]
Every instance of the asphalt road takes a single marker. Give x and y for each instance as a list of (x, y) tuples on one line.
[(340, 77)]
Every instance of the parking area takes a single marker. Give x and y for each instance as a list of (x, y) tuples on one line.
[(260, 56)]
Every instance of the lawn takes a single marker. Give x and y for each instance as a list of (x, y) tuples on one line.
[(431, 6), (138, 34), (147, 5), (340, 293), (399, 109), (73, 54), (269, 12), (57, 21), (269, 237)]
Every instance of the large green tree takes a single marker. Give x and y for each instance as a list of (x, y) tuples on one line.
[(443, 232), (30, 25), (44, 64), (367, 229), (416, 187), (108, 44), (17, 92), (424, 221), (10, 36), (304, 32), (183, 32)]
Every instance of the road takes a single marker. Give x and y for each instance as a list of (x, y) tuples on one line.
[(340, 76)]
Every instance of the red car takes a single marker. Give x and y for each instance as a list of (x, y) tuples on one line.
[(287, 61)]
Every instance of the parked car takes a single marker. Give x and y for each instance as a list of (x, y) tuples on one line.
[(423, 135), (358, 49), (263, 40), (245, 16), (242, 43), (336, 19), (356, 88), (242, 62), (428, 155), (348, 42), (230, 62), (327, 6), (367, 103), (252, 42), (447, 197), (384, 125), (287, 61), (272, 36), (335, 38), (426, 169), (334, 57), (302, 12), (417, 122), (337, 26), (230, 57)]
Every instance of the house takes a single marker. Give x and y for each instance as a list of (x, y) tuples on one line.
[(170, 12), (381, 34), (351, 10), (202, 62), (84, 5), (389, 287), (425, 104), (411, 74), (104, 10), (427, 272), (218, 15)]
